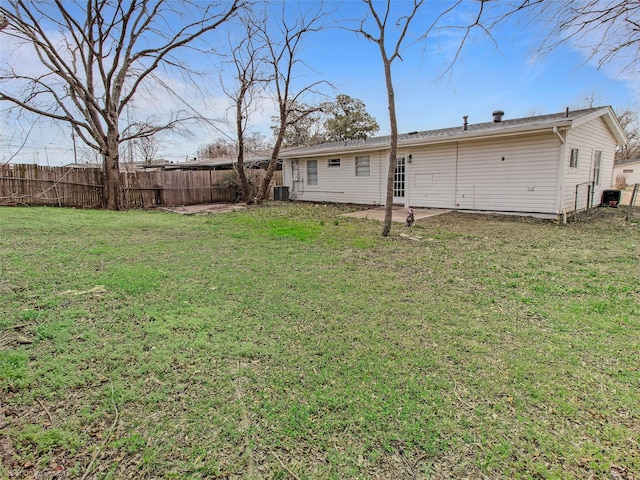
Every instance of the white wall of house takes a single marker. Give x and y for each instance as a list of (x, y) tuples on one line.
[(588, 139), (432, 176), (337, 183), (511, 174), (466, 175), (525, 173), (514, 174), (630, 171)]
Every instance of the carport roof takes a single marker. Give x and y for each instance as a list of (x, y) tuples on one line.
[(474, 131)]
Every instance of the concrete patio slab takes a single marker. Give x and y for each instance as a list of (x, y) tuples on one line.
[(205, 208), (399, 214)]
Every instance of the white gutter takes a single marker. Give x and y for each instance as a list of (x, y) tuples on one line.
[(420, 142), (555, 130)]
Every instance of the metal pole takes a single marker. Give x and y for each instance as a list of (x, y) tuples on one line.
[(632, 200), (75, 151), (575, 205)]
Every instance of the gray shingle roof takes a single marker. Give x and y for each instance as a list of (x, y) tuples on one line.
[(428, 136)]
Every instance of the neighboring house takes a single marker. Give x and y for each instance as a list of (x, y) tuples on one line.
[(626, 173), (544, 165), (259, 160)]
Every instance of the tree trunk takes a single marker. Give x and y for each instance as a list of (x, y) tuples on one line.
[(113, 193), (246, 189), (273, 163), (393, 147), (244, 183), (266, 181)]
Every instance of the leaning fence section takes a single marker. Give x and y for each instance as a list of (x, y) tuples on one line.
[(56, 186), (83, 187)]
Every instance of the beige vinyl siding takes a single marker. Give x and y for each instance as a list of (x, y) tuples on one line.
[(432, 177), (525, 181), (338, 183), (587, 138), (631, 176), (523, 173)]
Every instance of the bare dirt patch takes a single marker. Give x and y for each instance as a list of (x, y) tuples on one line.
[(206, 208)]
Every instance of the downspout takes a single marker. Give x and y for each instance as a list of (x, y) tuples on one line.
[(593, 180), (381, 190), (455, 180), (560, 185), (293, 176), (555, 130)]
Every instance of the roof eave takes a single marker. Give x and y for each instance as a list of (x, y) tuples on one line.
[(419, 142), (482, 135)]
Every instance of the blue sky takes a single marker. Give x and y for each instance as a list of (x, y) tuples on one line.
[(509, 77)]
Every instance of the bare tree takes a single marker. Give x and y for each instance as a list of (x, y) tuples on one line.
[(607, 30), (305, 126), (630, 123), (591, 100), (256, 142), (283, 57), (145, 145), (94, 57), (249, 78), (148, 148), (381, 22), (217, 149)]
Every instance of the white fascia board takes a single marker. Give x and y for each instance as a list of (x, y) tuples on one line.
[(346, 151), (511, 132)]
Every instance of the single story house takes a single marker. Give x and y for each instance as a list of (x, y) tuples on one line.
[(626, 172), (547, 165), (251, 161)]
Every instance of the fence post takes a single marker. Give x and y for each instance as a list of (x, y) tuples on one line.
[(632, 200), (55, 188)]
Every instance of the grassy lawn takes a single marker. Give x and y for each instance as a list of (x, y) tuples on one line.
[(290, 342)]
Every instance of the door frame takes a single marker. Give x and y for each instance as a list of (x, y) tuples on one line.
[(400, 183)]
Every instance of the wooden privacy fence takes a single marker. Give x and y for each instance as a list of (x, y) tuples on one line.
[(83, 187), (62, 187)]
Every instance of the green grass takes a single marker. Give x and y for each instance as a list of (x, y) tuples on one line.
[(290, 340)]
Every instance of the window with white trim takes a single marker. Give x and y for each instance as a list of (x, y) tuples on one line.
[(363, 166), (333, 162), (312, 172), (597, 161), (573, 161)]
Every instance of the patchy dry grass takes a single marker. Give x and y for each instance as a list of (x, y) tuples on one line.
[(290, 342)]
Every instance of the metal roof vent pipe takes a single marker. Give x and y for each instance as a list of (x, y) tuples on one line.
[(497, 116), (466, 123)]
